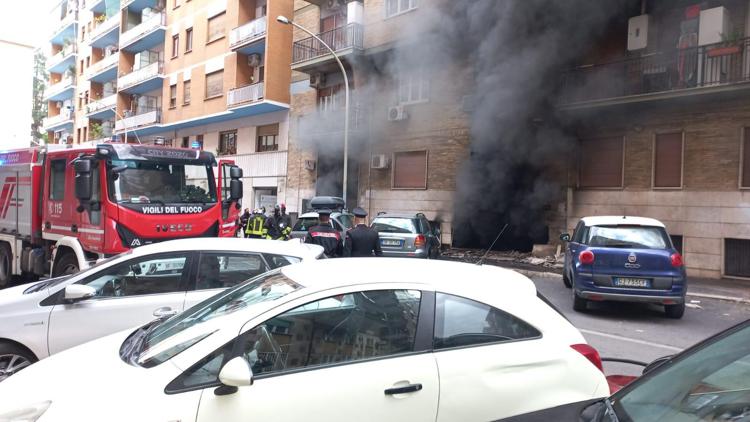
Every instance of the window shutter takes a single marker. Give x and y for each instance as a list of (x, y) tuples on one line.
[(268, 130), (601, 163), (410, 170), (668, 160)]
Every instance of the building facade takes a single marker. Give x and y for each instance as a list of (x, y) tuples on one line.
[(197, 74)]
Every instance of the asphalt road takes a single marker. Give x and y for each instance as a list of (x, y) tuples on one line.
[(640, 331)]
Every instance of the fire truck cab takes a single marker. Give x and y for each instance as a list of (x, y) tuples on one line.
[(62, 208)]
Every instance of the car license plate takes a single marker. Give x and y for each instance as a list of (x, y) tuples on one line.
[(632, 282), (390, 242)]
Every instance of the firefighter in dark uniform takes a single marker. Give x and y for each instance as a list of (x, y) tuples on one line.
[(325, 235), (361, 240)]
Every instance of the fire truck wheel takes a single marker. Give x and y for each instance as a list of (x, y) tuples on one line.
[(6, 265), (67, 264)]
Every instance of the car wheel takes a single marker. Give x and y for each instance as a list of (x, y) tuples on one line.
[(579, 304), (13, 359), (67, 264), (566, 280), (6, 265), (675, 311)]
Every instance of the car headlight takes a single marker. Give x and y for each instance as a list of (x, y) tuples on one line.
[(28, 413)]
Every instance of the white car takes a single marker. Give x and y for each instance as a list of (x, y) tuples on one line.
[(127, 290), (332, 340)]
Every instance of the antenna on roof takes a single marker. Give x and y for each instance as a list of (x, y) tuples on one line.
[(481, 260)]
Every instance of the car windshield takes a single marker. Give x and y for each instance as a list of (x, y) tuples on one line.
[(394, 225), (642, 237), (346, 220), (52, 282), (145, 182), (180, 332), (304, 223), (710, 384)]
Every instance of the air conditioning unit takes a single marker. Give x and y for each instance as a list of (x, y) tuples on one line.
[(253, 60), (379, 161), (317, 80), (310, 165), (397, 113)]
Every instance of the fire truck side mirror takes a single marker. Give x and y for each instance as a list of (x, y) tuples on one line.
[(235, 173), (235, 189), (83, 180)]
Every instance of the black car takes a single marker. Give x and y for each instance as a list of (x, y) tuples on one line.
[(707, 382)]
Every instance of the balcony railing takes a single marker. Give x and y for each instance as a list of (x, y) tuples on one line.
[(104, 27), (145, 116), (332, 121), (247, 32), (70, 17), (112, 59), (108, 102), (349, 36), (143, 74), (679, 69), (61, 55), (60, 86), (261, 164), (245, 94), (143, 28), (64, 116)]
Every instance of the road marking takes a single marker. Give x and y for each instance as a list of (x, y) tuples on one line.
[(631, 340)]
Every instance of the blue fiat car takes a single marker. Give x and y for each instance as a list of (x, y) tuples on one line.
[(626, 259)]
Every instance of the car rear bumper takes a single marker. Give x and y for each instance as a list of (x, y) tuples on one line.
[(631, 297), (418, 253)]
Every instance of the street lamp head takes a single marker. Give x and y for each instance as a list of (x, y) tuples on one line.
[(283, 19)]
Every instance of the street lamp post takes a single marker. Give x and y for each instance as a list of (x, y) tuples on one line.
[(286, 21)]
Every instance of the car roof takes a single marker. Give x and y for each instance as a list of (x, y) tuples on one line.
[(397, 215), (442, 275), (207, 244), (315, 214), (611, 220)]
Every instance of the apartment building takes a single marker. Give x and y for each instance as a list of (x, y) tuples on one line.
[(203, 74), (662, 113), (408, 133)]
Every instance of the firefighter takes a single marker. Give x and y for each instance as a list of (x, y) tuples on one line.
[(361, 241), (256, 226), (325, 235), (272, 225), (243, 220), (285, 218)]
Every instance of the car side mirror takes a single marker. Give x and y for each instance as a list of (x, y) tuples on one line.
[(236, 373), (655, 364), (78, 292), (565, 237)]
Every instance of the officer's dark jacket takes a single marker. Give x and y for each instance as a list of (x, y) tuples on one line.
[(362, 241), (327, 237)]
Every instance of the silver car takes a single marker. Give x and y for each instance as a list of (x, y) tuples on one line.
[(407, 235)]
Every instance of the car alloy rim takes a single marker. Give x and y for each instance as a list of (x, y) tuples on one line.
[(10, 364)]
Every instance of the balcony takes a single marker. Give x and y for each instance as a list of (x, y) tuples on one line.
[(63, 60), (60, 91), (245, 95), (62, 120), (146, 35), (143, 80), (712, 69), (245, 38), (321, 126), (145, 117), (310, 53), (100, 6), (261, 164), (103, 108), (138, 5), (105, 69), (65, 28), (106, 33)]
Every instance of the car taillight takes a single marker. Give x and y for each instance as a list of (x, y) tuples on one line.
[(420, 241), (676, 259), (586, 257), (589, 353)]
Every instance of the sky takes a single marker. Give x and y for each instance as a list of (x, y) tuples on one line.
[(28, 21)]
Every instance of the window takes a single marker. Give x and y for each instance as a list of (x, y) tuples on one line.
[(216, 27), (410, 170), (189, 40), (413, 87), (186, 92), (268, 138), (215, 84), (668, 160), (198, 144), (736, 252), (185, 142), (172, 96), (142, 276), (394, 7), (57, 180), (600, 163), (640, 237), (221, 270), (330, 98), (677, 241), (463, 322), (228, 143), (745, 171), (176, 4), (175, 45)]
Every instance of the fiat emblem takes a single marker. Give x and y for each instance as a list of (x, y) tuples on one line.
[(632, 258)]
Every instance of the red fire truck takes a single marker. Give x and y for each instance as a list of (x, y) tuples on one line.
[(63, 208)]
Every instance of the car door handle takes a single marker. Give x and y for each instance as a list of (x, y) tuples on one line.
[(411, 388), (164, 312)]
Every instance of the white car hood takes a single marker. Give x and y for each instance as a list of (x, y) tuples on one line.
[(91, 382)]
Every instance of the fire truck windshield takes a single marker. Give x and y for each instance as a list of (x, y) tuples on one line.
[(148, 182)]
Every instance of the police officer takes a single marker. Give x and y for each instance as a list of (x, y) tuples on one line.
[(325, 235), (361, 240), (256, 226), (272, 225)]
